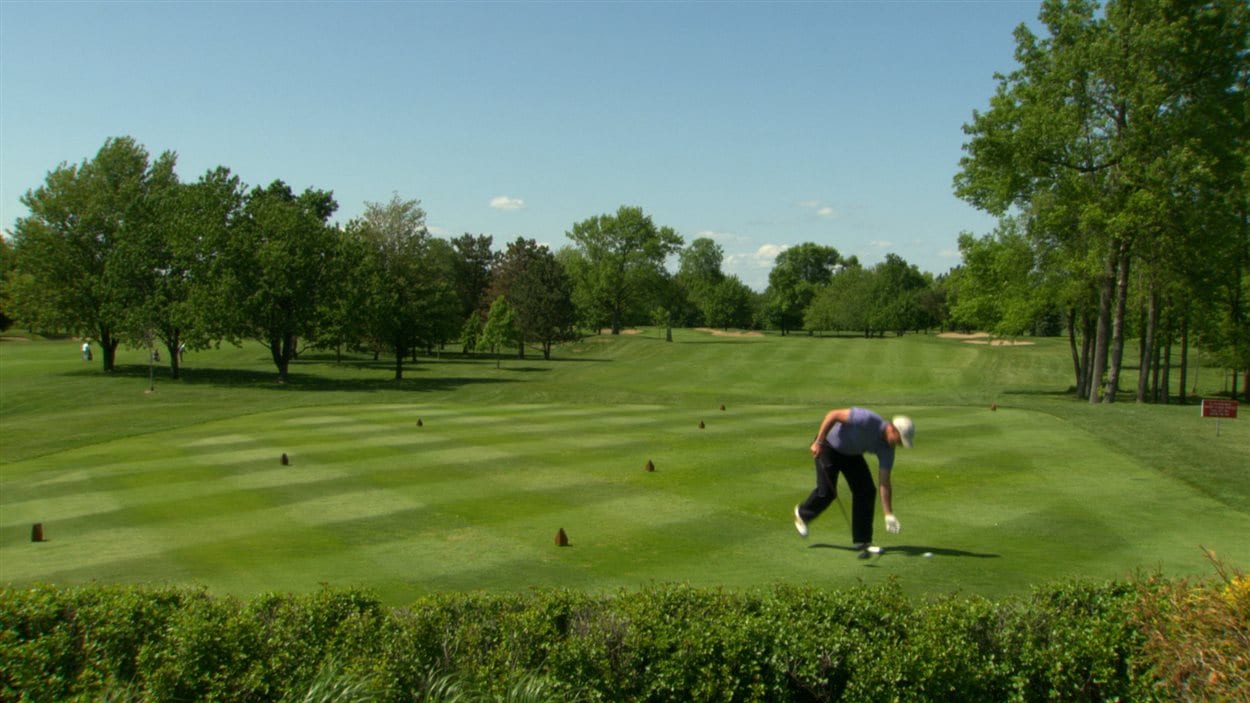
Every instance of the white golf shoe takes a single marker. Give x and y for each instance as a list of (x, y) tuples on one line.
[(799, 524)]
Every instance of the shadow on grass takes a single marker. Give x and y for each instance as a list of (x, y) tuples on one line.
[(1068, 394), (248, 378), (911, 551), (444, 359)]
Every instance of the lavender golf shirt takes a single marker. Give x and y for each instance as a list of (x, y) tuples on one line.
[(862, 433)]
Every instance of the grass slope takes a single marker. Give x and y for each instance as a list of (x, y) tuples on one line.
[(185, 485)]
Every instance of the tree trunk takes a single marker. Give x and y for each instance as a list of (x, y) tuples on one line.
[(1184, 354), (1076, 357), (174, 362), (1165, 387), (108, 350), (1156, 367), (1117, 333), (1143, 326), (1087, 353), (400, 353), (1147, 349), (1106, 285), (175, 359), (281, 348)]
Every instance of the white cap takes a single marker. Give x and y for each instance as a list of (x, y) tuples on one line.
[(906, 429)]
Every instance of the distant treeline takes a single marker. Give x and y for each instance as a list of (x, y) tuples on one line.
[(1116, 155)]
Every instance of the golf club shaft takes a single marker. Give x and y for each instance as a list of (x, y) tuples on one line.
[(842, 508)]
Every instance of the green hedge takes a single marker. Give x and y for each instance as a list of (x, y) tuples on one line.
[(1068, 642)]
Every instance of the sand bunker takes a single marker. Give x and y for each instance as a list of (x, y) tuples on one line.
[(983, 338), (729, 333)]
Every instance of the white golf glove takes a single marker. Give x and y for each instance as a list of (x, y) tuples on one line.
[(891, 524)]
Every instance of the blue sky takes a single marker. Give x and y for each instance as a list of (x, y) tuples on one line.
[(759, 125)]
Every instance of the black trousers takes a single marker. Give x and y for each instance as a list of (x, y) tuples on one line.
[(863, 491)]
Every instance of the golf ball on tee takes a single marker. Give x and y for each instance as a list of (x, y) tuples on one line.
[(928, 554), (874, 549)]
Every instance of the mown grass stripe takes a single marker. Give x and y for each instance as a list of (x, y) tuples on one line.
[(472, 499)]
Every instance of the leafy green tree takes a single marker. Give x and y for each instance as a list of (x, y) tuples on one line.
[(698, 275), (441, 320), (659, 289), (1000, 288), (813, 263), (897, 290), (275, 268), (540, 293), (501, 329), (719, 300), (342, 319), (848, 302), (471, 331), (663, 320), (473, 267), (797, 273), (209, 213), (1110, 120), (786, 299), (932, 302), (590, 312), (401, 278), (8, 271), (173, 263), (81, 265), (618, 254), (701, 260), (728, 303)]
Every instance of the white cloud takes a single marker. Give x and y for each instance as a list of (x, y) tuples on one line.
[(753, 267), (768, 252), (720, 236), (819, 208), (881, 244), (506, 203), (761, 258)]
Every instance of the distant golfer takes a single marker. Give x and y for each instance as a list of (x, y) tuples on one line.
[(845, 435)]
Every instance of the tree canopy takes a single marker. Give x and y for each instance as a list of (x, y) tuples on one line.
[(617, 255), (83, 263), (1110, 137)]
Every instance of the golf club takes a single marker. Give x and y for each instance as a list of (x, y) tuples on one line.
[(844, 515)]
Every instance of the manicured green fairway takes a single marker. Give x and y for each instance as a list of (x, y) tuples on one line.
[(185, 485)]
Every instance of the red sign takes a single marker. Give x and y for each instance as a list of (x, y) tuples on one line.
[(1219, 408)]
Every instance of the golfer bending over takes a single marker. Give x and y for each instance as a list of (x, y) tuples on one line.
[(845, 435)]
